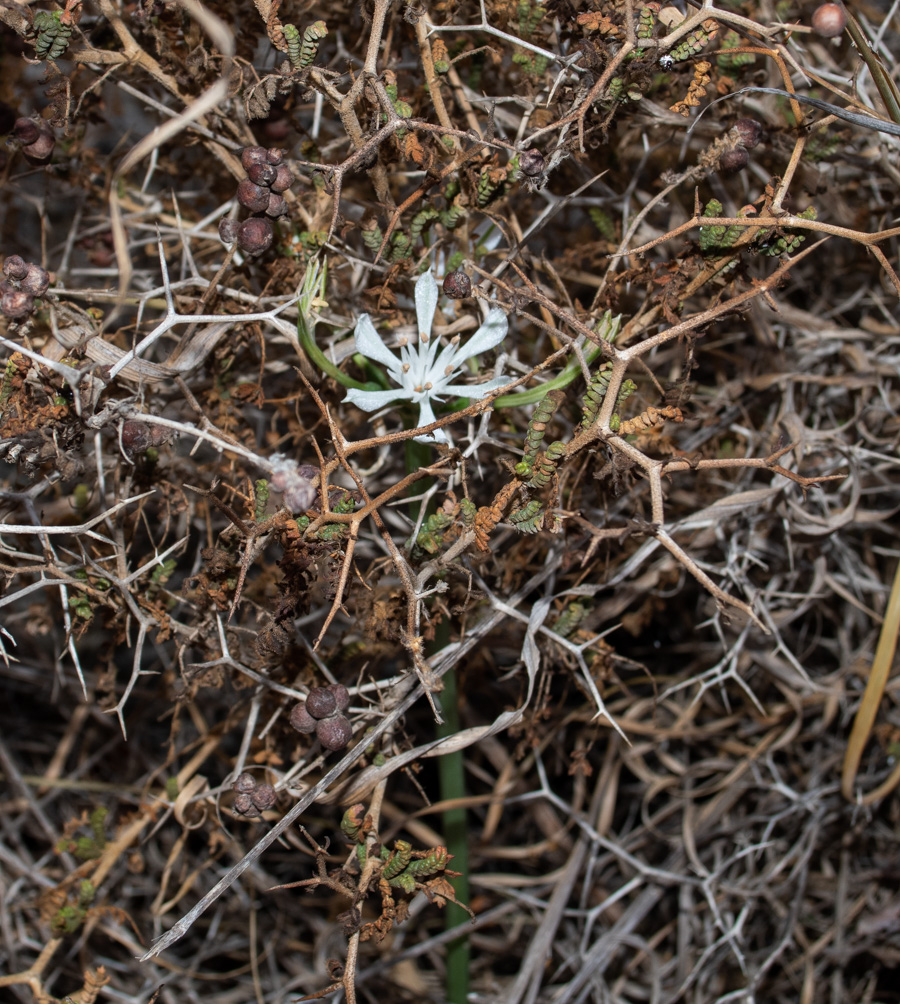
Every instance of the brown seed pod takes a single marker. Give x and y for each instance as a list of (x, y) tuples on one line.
[(334, 733), (276, 207), (284, 178), (244, 783), (262, 174), (734, 160), (253, 197), (14, 267), (341, 696), (16, 303), (263, 796), (135, 437), (243, 805), (36, 280), (41, 149), (274, 155), (749, 131), (255, 235), (251, 155), (457, 285), (829, 20), (531, 163), (321, 702), (302, 720), (26, 130), (228, 230)]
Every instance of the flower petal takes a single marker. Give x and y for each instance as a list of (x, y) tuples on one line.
[(488, 336), (475, 390), (369, 343), (426, 301), (372, 400), (426, 417)]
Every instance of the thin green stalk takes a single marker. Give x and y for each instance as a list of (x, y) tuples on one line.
[(456, 832)]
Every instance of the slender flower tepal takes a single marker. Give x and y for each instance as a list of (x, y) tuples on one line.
[(424, 369)]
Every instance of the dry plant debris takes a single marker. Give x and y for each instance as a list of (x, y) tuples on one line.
[(584, 601)]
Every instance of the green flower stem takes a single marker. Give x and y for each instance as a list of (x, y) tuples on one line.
[(308, 341), (456, 831), (563, 379)]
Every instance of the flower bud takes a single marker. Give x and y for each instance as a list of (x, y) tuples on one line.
[(457, 285), (321, 702), (276, 207), (14, 267), (334, 733), (42, 148), (243, 805), (829, 20), (749, 131), (252, 197), (262, 174), (302, 720), (531, 163), (36, 280), (16, 303), (734, 160), (228, 230), (255, 236), (26, 130), (244, 783), (284, 178), (251, 155), (263, 796), (341, 696)]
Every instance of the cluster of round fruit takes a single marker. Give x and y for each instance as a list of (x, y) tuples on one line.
[(748, 133), (252, 797), (37, 139), (260, 192), (24, 281), (322, 713)]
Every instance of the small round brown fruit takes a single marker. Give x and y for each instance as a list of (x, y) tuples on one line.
[(276, 207), (457, 285), (263, 796), (749, 131), (262, 174), (41, 149), (253, 197), (734, 160), (321, 702), (135, 437), (274, 155), (26, 130), (334, 733), (531, 163), (36, 280), (244, 783), (16, 303), (829, 20), (251, 155), (255, 236), (14, 267), (228, 230), (284, 178), (302, 720), (341, 696), (243, 805)]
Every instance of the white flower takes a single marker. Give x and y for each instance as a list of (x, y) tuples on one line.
[(425, 369)]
